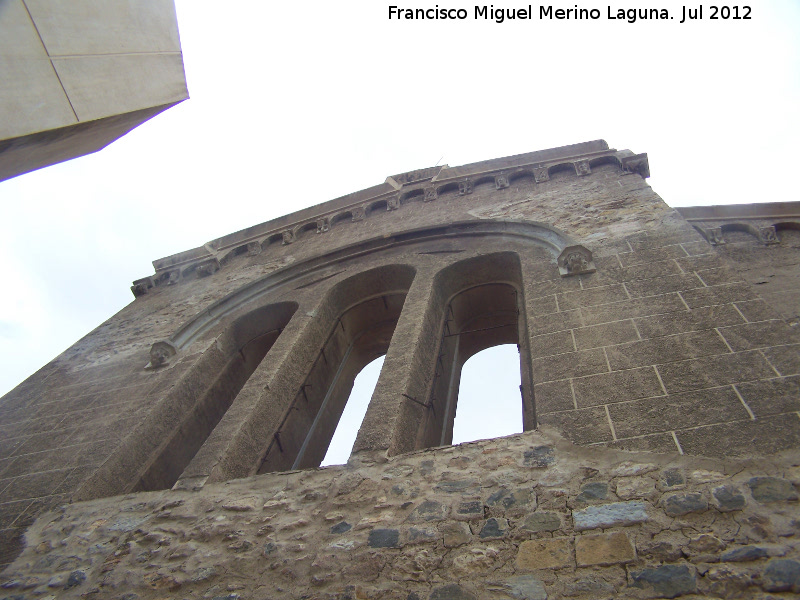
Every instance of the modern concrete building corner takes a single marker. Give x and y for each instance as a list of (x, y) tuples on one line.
[(78, 74)]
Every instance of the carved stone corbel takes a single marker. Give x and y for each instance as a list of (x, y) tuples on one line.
[(288, 237), (171, 277), (141, 286), (253, 248), (430, 194), (393, 203), (465, 187), (358, 214), (323, 225), (207, 267), (714, 236), (501, 181), (637, 163), (575, 260), (160, 354), (768, 236), (541, 174), (582, 167)]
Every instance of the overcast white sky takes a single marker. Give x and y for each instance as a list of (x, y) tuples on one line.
[(294, 104)]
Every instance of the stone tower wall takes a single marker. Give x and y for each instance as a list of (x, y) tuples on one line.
[(237, 357)]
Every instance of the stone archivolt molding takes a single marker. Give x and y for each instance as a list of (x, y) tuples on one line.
[(425, 185), (572, 259)]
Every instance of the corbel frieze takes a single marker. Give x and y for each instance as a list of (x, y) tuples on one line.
[(541, 174), (323, 224), (427, 182), (582, 168), (768, 236), (714, 236), (141, 286), (636, 163), (207, 267)]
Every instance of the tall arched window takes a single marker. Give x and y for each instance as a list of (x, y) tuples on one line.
[(489, 402)]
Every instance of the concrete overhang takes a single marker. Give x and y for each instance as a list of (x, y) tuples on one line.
[(79, 74)]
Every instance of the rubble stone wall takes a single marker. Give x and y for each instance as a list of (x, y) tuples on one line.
[(635, 334), (528, 517)]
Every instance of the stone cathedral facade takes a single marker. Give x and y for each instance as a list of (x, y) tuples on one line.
[(174, 451)]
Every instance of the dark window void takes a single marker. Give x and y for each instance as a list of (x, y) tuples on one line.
[(489, 401), (359, 336), (211, 386), (345, 436)]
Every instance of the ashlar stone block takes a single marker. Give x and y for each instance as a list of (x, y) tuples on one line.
[(604, 549), (610, 515), (554, 553)]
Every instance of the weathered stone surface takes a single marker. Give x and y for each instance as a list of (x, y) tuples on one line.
[(592, 492), (744, 554), (341, 527), (451, 591), (506, 498), (418, 535), (472, 509), (458, 486), (635, 487), (540, 457), (661, 551), (384, 538), (609, 515), (494, 528), (525, 587), (782, 575), (542, 521), (671, 479), (728, 498), (554, 553), (429, 510), (676, 505), (590, 587), (630, 469), (666, 581), (604, 549), (705, 544), (75, 578), (455, 533), (771, 489)]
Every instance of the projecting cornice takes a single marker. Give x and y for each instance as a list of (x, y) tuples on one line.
[(762, 220), (423, 185)]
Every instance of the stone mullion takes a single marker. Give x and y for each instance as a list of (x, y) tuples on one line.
[(237, 444), (400, 403)]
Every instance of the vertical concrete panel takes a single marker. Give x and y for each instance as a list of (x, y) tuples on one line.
[(31, 97), (73, 27)]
